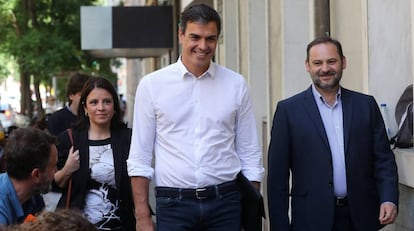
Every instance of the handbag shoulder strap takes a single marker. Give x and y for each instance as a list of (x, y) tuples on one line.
[(69, 130)]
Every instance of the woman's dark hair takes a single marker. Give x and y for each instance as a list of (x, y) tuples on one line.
[(27, 149), (102, 83), (200, 13)]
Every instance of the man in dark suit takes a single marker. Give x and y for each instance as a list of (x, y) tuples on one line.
[(333, 142)]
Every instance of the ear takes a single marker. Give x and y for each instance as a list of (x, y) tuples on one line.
[(84, 106), (343, 62), (180, 35), (307, 65), (71, 96), (36, 176)]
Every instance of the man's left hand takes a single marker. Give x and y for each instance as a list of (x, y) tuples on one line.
[(388, 213), (256, 185)]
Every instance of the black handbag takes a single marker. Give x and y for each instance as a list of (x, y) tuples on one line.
[(252, 205)]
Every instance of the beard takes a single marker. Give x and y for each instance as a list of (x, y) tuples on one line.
[(332, 84), (44, 187)]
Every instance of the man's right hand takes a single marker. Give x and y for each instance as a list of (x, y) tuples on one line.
[(145, 224), (140, 186)]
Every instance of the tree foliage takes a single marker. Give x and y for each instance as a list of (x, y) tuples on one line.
[(43, 37)]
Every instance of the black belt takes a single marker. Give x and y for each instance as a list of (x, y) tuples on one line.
[(198, 193), (341, 201)]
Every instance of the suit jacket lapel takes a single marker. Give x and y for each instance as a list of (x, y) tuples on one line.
[(312, 109), (347, 116)]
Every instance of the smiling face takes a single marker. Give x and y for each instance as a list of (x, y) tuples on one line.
[(199, 41), (325, 67), (99, 105)]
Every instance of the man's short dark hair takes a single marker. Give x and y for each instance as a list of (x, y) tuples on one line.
[(325, 39), (75, 84), (27, 149), (199, 13)]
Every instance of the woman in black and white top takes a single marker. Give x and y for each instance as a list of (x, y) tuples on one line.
[(97, 162)]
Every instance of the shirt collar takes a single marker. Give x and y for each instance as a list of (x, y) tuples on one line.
[(319, 98), (185, 73)]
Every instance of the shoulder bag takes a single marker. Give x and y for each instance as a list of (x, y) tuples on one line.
[(70, 179)]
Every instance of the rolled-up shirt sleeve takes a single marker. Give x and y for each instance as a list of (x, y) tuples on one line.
[(247, 144), (143, 133)]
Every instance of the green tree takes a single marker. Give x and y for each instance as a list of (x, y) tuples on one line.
[(43, 36)]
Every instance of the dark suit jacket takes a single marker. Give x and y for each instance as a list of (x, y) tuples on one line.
[(120, 145), (299, 144)]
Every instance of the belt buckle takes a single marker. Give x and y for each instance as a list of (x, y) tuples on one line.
[(341, 201), (200, 190)]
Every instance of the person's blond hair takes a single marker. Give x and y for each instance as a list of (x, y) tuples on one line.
[(61, 220)]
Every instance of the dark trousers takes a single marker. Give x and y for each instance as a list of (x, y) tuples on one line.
[(219, 213), (342, 220)]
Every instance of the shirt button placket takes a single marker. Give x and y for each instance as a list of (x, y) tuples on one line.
[(197, 139)]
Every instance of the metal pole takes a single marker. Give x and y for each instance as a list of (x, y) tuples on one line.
[(322, 18)]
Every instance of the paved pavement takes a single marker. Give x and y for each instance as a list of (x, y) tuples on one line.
[(51, 200)]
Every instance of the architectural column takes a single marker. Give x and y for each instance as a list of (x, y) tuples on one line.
[(322, 18), (134, 72)]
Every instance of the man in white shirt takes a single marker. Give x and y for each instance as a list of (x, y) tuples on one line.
[(197, 118)]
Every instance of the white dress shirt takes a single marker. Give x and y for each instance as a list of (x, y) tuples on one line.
[(332, 118), (201, 130)]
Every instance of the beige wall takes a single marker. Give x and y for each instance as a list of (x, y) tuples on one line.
[(275, 56), (265, 41), (372, 67), (348, 25)]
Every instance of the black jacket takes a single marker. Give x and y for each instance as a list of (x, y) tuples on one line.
[(120, 142), (60, 120)]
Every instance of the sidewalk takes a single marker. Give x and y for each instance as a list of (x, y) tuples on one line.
[(51, 200)]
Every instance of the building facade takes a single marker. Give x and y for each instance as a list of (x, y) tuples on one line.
[(265, 41)]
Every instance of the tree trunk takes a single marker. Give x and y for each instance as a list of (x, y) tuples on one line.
[(25, 101), (39, 107)]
